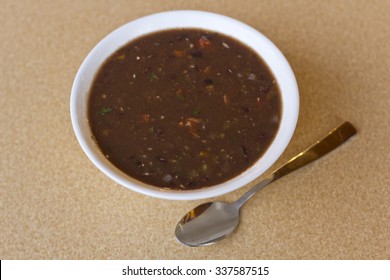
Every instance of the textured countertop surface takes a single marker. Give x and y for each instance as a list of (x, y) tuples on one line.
[(54, 204)]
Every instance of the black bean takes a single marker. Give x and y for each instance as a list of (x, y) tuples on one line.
[(196, 54), (173, 77), (205, 178), (208, 81), (264, 88), (139, 163), (191, 184), (157, 131), (161, 159), (244, 151), (181, 37), (246, 109), (261, 137), (147, 69)]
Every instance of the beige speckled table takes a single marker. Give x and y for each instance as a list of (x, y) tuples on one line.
[(54, 204)]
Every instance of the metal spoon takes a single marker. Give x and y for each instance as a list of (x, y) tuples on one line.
[(213, 221)]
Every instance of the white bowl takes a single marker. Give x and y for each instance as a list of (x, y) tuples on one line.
[(185, 19)]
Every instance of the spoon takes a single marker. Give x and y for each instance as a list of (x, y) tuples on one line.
[(213, 221)]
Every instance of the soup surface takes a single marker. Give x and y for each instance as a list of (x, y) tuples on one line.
[(184, 109)]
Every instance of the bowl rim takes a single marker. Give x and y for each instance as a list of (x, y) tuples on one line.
[(187, 19)]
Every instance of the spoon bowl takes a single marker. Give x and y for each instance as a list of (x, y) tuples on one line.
[(213, 221), (204, 230)]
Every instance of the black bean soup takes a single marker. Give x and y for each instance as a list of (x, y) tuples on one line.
[(184, 109)]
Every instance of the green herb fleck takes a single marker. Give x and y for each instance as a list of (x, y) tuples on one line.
[(153, 77), (196, 111), (182, 81), (105, 110), (226, 124), (180, 97)]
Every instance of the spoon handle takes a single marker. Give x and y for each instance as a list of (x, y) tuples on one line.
[(335, 138)]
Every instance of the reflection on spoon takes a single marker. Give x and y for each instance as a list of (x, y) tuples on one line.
[(213, 221)]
